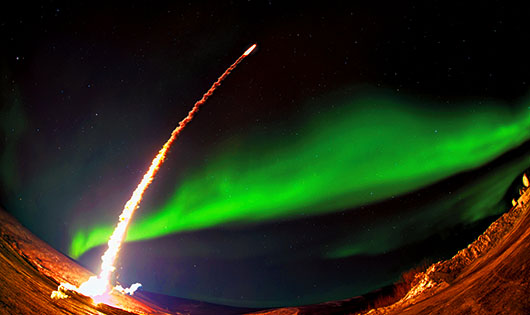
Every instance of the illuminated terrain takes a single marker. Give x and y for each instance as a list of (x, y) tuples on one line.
[(30, 269), (489, 276)]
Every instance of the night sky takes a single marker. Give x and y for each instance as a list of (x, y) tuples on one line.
[(358, 141)]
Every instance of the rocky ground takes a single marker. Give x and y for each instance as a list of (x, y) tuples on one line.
[(490, 276), (31, 269)]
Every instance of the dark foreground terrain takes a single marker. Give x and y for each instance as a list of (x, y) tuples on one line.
[(490, 276)]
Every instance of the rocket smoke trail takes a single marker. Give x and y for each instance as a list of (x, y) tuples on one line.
[(98, 287)]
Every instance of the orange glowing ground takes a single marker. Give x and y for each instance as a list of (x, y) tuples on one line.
[(30, 269), (490, 276)]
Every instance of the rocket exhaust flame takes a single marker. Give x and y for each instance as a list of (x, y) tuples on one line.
[(248, 51), (99, 287)]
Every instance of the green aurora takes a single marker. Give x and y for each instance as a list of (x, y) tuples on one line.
[(477, 200), (362, 151)]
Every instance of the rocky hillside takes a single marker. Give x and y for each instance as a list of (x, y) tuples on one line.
[(489, 276)]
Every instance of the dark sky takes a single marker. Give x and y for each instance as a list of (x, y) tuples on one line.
[(357, 141)]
